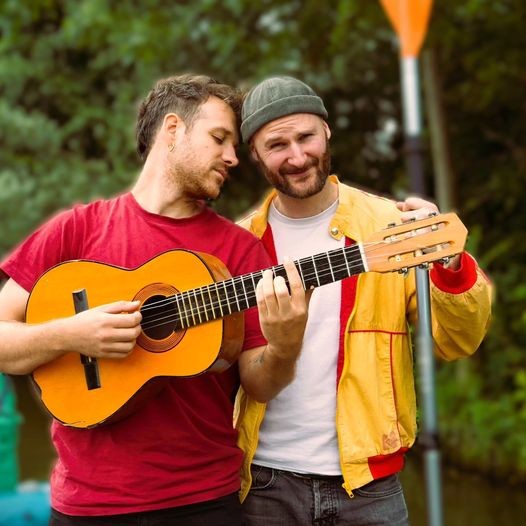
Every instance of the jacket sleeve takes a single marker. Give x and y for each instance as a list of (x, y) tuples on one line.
[(460, 308)]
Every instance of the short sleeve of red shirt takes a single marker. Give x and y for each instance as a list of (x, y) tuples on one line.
[(49, 245)]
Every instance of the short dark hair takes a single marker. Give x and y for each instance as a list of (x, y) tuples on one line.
[(183, 95)]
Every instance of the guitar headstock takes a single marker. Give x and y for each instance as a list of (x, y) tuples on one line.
[(415, 243)]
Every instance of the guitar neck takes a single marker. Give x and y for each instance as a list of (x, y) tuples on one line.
[(221, 298)]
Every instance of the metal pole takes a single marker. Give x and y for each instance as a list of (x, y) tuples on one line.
[(428, 436)]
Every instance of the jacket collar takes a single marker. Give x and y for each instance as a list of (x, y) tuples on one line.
[(341, 223)]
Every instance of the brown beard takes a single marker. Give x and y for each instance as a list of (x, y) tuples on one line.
[(281, 183)]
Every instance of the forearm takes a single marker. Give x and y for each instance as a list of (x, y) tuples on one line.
[(107, 331), (265, 371), (24, 347)]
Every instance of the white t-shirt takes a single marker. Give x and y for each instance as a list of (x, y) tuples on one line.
[(298, 432)]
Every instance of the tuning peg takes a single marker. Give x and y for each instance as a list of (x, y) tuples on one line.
[(445, 260), (391, 225), (404, 271), (424, 265), (432, 214)]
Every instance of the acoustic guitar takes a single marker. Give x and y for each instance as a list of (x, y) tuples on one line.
[(191, 307)]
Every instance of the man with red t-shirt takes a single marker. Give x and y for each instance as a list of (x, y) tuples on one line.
[(174, 460)]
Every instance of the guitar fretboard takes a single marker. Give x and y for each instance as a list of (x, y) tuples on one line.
[(221, 298)]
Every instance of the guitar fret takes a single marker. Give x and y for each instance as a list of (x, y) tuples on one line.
[(336, 261), (197, 306), (301, 275), (227, 298), (187, 308), (325, 273), (214, 301), (308, 273), (245, 292), (188, 298), (357, 265), (344, 252), (211, 302), (177, 297), (235, 294), (254, 284), (204, 303), (251, 294), (176, 315), (219, 300), (241, 293), (330, 266), (315, 270)]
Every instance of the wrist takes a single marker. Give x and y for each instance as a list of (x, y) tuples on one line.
[(283, 354)]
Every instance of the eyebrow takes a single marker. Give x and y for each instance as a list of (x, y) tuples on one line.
[(280, 136)]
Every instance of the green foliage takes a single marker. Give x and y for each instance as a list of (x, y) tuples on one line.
[(482, 433), (72, 73), (480, 45)]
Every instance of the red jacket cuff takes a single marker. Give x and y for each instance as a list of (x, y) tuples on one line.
[(455, 281)]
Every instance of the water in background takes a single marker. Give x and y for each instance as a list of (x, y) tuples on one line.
[(468, 500)]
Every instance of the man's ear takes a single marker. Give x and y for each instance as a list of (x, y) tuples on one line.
[(171, 121), (253, 153), (327, 130), (171, 124)]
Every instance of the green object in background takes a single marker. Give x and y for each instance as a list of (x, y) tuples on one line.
[(9, 422)]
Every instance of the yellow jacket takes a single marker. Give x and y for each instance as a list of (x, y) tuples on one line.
[(376, 405)]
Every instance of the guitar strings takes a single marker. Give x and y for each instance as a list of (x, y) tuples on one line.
[(351, 250), (222, 302), (318, 257)]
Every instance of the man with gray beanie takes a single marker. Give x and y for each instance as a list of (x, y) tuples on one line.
[(328, 448)]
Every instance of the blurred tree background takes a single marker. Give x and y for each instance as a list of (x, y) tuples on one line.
[(73, 71)]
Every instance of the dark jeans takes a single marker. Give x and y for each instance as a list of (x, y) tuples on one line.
[(282, 498), (225, 511)]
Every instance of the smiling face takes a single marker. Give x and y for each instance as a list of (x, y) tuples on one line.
[(205, 151), (293, 154)]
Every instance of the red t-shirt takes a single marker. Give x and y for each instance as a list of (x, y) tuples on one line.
[(180, 448)]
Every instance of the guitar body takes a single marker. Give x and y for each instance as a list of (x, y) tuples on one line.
[(210, 346)]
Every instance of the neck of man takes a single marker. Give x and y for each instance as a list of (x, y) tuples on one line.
[(157, 192), (297, 208)]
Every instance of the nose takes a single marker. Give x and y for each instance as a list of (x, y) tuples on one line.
[(296, 155), (230, 157)]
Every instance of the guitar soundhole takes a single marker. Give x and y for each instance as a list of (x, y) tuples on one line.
[(158, 317)]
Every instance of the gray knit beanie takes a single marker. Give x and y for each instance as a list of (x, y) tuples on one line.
[(274, 98)]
